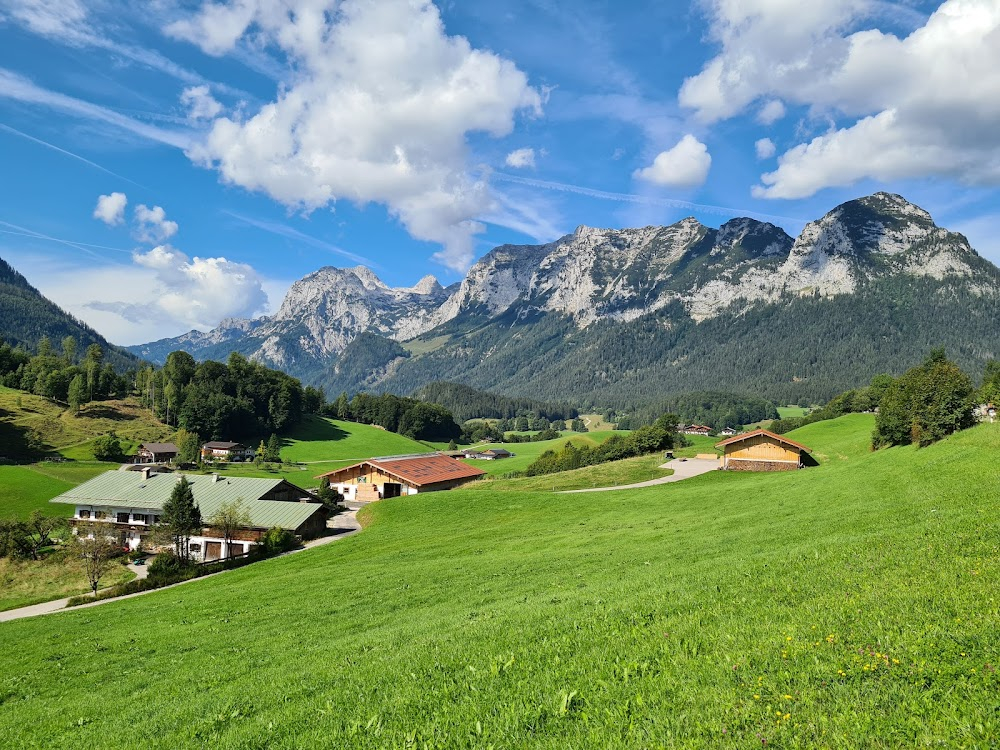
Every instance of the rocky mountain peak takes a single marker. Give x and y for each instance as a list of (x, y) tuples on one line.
[(427, 285)]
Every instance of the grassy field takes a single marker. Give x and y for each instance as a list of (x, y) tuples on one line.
[(784, 412), (849, 605), (59, 575), (526, 453), (612, 474), (322, 439)]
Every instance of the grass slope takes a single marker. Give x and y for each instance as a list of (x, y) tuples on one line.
[(849, 605), (58, 430), (320, 439)]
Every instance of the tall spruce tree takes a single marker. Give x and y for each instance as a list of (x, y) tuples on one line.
[(182, 517)]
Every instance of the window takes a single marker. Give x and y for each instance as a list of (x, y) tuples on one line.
[(194, 547), (84, 514), (100, 515), (139, 518), (122, 517), (156, 519)]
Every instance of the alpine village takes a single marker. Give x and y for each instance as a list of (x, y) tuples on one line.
[(391, 456)]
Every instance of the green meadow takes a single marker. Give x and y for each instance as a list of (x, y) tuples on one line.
[(849, 605), (321, 439), (526, 453)]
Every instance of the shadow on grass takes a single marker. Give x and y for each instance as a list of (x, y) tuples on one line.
[(316, 428), (18, 444), (99, 411)]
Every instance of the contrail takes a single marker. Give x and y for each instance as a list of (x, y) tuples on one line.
[(286, 231), (39, 141)]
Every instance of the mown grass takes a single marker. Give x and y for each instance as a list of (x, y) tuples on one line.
[(321, 439), (849, 605), (611, 474), (24, 489), (526, 453), (784, 412), (58, 575)]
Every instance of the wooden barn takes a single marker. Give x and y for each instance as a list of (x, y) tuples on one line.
[(762, 450)]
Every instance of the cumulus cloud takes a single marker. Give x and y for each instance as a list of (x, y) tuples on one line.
[(152, 225), (111, 208), (377, 108), (923, 105), (765, 148), (200, 103), (684, 165), (521, 158), (199, 292), (771, 112)]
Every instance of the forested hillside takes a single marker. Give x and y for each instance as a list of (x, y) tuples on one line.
[(466, 402), (26, 317)]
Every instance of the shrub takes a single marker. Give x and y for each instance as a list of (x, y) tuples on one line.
[(167, 565), (274, 541)]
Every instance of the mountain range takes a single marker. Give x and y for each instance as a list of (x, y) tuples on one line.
[(617, 316)]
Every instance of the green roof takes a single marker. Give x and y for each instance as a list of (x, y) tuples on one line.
[(128, 489)]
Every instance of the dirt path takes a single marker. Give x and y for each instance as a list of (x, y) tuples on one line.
[(343, 524), (683, 469)]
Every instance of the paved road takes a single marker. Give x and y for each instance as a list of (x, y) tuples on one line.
[(343, 524), (683, 469)]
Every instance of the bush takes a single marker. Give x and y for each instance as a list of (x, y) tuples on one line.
[(167, 565), (108, 448), (274, 541)]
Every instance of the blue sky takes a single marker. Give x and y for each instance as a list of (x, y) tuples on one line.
[(166, 165)]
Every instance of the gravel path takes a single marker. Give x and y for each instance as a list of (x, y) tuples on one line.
[(343, 524), (683, 469)]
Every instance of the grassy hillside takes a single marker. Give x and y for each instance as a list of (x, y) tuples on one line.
[(26, 418), (849, 605), (321, 439)]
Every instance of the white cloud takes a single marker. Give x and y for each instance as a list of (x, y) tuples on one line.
[(925, 105), (111, 208), (152, 225), (377, 108), (521, 158), (771, 112), (684, 165), (200, 103), (54, 18), (765, 148), (199, 292)]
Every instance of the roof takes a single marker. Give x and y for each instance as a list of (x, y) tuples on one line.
[(765, 433), (498, 452), (221, 445), (128, 489), (159, 447), (418, 470)]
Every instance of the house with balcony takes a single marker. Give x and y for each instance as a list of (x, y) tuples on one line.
[(224, 450), (131, 504), (393, 476)]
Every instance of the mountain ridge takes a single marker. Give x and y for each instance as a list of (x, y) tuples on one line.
[(574, 288)]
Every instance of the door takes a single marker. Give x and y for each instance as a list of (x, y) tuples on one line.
[(391, 489), (213, 550)]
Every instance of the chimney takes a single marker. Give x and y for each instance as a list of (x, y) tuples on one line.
[(146, 471), (215, 477)]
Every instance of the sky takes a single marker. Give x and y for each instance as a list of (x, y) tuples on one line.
[(165, 165)]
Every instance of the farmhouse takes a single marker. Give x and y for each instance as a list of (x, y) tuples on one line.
[(392, 476), (696, 429), (761, 450), (131, 504), (156, 453), (222, 450)]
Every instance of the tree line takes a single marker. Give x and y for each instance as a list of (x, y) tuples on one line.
[(923, 405), (415, 419), (466, 402), (62, 375)]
